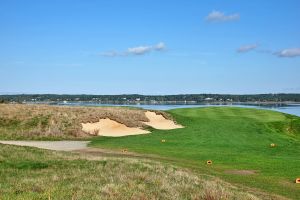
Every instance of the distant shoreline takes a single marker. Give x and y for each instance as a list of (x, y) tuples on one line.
[(133, 99), (163, 103)]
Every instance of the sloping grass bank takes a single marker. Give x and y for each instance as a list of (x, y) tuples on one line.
[(29, 173)]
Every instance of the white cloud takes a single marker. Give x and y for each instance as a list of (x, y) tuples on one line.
[(293, 52), (160, 46), (217, 16), (247, 48), (139, 50)]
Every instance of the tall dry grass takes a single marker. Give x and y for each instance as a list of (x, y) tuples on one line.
[(36, 121)]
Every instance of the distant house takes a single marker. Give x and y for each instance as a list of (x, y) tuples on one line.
[(208, 99)]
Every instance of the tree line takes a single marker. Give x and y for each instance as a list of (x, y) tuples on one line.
[(127, 98)]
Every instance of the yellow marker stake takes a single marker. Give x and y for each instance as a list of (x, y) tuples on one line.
[(273, 145)]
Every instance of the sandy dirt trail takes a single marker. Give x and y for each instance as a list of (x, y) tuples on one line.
[(51, 145), (81, 148)]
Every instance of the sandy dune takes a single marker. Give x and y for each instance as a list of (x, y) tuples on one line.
[(111, 128), (159, 122), (108, 127), (51, 145)]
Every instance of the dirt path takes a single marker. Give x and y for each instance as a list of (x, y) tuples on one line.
[(82, 148), (51, 145)]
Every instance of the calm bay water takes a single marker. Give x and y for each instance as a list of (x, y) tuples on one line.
[(293, 109)]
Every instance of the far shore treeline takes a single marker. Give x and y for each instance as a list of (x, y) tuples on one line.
[(136, 98)]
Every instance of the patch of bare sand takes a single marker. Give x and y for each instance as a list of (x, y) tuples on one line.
[(158, 121), (111, 128)]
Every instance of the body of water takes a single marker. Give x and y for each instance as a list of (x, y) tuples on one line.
[(293, 109)]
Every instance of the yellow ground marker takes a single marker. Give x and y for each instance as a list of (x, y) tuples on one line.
[(209, 162), (163, 141), (272, 145)]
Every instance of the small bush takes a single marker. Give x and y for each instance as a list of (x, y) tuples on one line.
[(25, 165)]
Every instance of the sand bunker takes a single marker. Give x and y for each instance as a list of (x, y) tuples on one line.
[(159, 122), (111, 128), (108, 127)]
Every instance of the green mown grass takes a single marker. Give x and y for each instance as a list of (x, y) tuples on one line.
[(234, 139)]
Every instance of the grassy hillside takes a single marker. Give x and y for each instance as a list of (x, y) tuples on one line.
[(19, 121), (28, 173), (234, 139)]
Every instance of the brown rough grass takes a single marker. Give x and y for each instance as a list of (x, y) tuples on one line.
[(37, 121)]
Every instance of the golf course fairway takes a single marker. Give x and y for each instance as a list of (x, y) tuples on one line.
[(236, 140)]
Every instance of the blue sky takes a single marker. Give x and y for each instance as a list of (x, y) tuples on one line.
[(149, 46)]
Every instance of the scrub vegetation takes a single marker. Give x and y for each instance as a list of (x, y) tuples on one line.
[(18, 121)]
